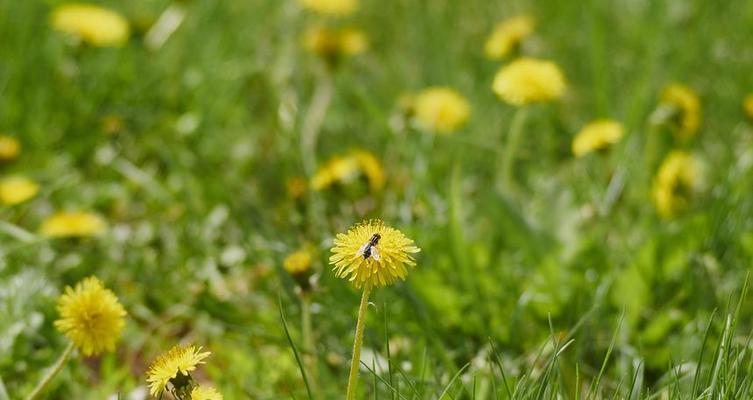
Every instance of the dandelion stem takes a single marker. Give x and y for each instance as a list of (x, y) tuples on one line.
[(358, 341), (308, 339), (51, 373), (513, 142)]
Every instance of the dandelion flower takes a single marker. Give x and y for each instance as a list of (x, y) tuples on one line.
[(174, 367), (393, 248), (528, 80), (337, 169), (331, 7), (205, 393), (334, 43), (507, 35), (678, 179), (90, 316), (16, 190), (95, 25), (371, 169), (9, 148), (73, 224), (597, 135), (298, 262), (441, 109), (681, 109), (748, 106)]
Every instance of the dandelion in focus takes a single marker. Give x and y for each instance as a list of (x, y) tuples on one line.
[(441, 109), (90, 316), (95, 25), (331, 7), (171, 370), (679, 178), (73, 224), (597, 135), (345, 169), (15, 190), (748, 106), (9, 148), (334, 44), (679, 109), (507, 36), (528, 80), (205, 393)]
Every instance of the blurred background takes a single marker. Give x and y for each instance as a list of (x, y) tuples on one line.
[(188, 149)]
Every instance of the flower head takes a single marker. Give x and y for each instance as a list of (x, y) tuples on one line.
[(441, 109), (205, 393), (95, 25), (680, 108), (90, 316), (73, 224), (298, 262), (345, 169), (748, 106), (332, 44), (507, 35), (528, 80), (9, 148), (597, 135), (678, 179), (371, 168), (174, 367), (331, 7), (16, 190), (390, 253)]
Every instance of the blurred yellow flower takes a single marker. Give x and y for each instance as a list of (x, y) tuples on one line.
[(344, 169), (298, 262), (331, 7), (174, 367), (15, 190), (73, 224), (681, 107), (507, 35), (95, 25), (441, 109), (597, 135), (528, 80), (678, 179), (9, 148), (372, 254), (90, 316), (334, 43), (205, 393), (748, 106), (296, 187)]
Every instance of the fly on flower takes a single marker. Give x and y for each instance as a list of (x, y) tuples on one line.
[(369, 249)]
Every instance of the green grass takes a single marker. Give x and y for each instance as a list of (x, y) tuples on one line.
[(562, 288)]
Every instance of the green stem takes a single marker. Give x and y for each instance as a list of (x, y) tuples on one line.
[(513, 142), (51, 373), (358, 341), (308, 339)]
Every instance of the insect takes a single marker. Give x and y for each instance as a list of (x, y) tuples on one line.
[(369, 249)]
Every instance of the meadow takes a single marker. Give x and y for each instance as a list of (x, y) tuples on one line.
[(572, 180)]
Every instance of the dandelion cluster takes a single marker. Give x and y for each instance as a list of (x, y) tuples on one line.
[(441, 109), (507, 35), (528, 80), (95, 25), (597, 135), (395, 255), (90, 316)]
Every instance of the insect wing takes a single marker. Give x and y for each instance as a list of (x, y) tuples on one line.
[(362, 249), (375, 253)]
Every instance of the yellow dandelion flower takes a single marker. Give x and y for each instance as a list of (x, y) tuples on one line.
[(678, 179), (371, 168), (16, 190), (73, 224), (748, 106), (337, 169), (331, 7), (174, 367), (298, 262), (95, 25), (90, 316), (528, 80), (681, 108), (334, 43), (507, 35), (9, 148), (372, 254), (441, 109), (597, 135), (205, 393)]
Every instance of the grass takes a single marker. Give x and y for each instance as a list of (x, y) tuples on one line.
[(567, 286)]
